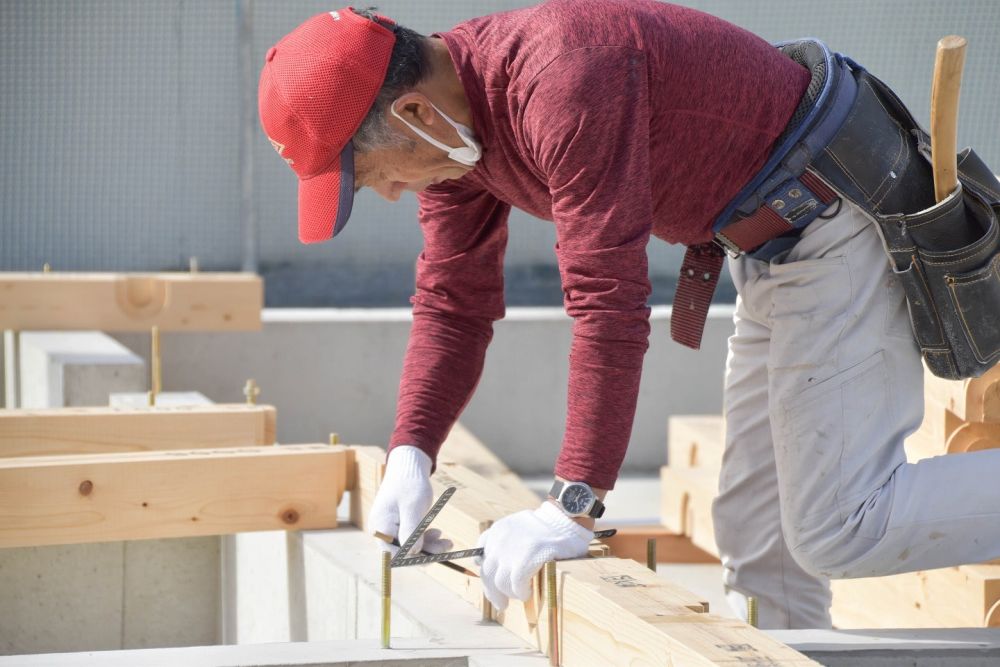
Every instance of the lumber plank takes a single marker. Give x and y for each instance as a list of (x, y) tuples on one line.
[(950, 597), (184, 493), (972, 400), (615, 611), (102, 430), (462, 447), (475, 506), (686, 496), (131, 301), (671, 546), (649, 626), (368, 463), (642, 604), (695, 441)]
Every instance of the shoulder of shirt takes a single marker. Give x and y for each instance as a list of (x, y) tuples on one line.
[(511, 45)]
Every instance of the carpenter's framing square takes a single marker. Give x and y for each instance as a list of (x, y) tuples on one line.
[(402, 560)]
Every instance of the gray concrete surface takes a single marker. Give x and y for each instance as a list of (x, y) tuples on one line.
[(75, 368), (925, 647), (338, 370), (408, 653)]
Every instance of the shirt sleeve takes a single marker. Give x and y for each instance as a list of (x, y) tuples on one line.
[(459, 294), (586, 124)]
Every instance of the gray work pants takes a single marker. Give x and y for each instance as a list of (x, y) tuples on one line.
[(823, 383)]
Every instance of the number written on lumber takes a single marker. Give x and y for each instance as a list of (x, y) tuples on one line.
[(750, 657), (447, 480), (623, 581)]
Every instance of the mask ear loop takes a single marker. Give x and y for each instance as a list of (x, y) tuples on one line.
[(468, 155)]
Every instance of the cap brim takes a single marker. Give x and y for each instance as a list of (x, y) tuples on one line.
[(325, 200)]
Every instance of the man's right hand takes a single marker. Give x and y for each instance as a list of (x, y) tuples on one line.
[(403, 499)]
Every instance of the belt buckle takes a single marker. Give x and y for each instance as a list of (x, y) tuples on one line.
[(730, 248)]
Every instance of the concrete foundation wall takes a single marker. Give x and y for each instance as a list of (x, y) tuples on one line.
[(114, 595), (338, 370)]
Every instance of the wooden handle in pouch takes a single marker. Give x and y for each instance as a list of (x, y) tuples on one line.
[(944, 113)]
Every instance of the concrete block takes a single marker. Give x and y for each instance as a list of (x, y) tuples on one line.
[(61, 598), (338, 370), (356, 653), (75, 368), (171, 592), (923, 647), (331, 599), (255, 586)]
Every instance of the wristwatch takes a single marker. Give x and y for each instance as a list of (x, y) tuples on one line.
[(576, 499)]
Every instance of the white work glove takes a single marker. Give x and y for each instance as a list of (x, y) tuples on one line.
[(403, 499), (516, 546)]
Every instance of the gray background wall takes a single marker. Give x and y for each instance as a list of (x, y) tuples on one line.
[(121, 130)]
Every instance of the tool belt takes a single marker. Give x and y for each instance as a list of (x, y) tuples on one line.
[(852, 137)]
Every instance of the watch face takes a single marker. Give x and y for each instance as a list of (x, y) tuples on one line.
[(576, 498)]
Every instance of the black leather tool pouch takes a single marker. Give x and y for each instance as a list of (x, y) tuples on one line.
[(946, 254), (953, 293)]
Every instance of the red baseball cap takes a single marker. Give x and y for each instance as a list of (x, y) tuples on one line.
[(317, 85)]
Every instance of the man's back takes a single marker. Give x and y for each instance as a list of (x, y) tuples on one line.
[(717, 98)]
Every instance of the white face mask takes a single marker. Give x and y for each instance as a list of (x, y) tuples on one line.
[(468, 154)]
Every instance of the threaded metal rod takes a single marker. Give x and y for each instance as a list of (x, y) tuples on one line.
[(154, 361), (386, 597), (550, 600), (752, 611)]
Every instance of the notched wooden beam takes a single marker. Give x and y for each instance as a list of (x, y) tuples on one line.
[(131, 301)]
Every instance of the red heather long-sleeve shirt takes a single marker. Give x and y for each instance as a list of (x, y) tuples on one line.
[(615, 119)]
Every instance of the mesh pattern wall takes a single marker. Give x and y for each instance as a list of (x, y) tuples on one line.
[(119, 133)]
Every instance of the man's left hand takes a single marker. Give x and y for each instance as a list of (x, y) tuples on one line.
[(516, 546)]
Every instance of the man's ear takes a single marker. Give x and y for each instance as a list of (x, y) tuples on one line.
[(415, 108)]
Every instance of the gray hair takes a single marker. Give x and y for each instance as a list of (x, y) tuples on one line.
[(408, 66)]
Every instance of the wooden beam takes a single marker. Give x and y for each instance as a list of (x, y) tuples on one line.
[(686, 496), (671, 546), (474, 507), (615, 612), (368, 466), (63, 431), (695, 441), (184, 493), (131, 301), (972, 400), (973, 436), (964, 596), (462, 447)]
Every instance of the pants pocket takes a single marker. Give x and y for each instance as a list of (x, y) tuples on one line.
[(837, 449)]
